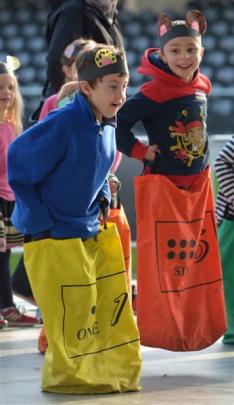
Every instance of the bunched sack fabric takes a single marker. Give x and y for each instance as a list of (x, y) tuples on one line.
[(93, 340), (180, 288)]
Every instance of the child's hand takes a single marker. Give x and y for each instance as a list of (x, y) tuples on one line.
[(67, 89), (114, 184), (104, 209), (150, 154), (114, 187)]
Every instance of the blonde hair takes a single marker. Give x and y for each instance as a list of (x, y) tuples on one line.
[(14, 113)]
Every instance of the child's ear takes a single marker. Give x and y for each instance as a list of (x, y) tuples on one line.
[(202, 52), (85, 87)]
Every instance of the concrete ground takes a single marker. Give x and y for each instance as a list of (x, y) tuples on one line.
[(201, 378)]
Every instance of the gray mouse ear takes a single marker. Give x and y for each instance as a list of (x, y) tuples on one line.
[(163, 24), (196, 20)]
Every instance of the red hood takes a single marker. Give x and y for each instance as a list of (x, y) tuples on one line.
[(166, 86)]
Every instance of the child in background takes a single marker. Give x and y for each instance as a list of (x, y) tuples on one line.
[(58, 200), (224, 170), (172, 108), (68, 61), (11, 107), (68, 20)]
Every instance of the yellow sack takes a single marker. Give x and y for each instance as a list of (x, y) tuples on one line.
[(80, 288)]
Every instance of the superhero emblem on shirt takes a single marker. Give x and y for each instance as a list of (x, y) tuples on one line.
[(190, 138), (104, 57)]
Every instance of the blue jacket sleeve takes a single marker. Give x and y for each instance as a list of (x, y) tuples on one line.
[(105, 192), (30, 158)]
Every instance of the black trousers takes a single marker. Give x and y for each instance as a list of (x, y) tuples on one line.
[(20, 282), (6, 297)]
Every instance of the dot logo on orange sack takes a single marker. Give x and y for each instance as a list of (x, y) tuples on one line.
[(187, 249), (186, 253)]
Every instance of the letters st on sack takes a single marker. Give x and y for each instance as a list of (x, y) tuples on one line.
[(186, 253)]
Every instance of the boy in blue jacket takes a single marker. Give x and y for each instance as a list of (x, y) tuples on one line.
[(58, 170), (57, 191)]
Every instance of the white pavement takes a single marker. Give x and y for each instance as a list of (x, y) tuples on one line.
[(201, 378)]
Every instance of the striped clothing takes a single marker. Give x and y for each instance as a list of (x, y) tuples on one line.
[(224, 170)]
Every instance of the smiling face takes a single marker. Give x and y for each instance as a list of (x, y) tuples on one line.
[(107, 96), (7, 92), (183, 56)]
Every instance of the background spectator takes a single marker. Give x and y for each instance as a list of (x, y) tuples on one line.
[(69, 20)]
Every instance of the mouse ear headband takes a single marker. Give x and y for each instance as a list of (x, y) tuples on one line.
[(194, 26), (12, 63)]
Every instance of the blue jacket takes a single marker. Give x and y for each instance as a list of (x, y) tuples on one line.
[(57, 170), (173, 114)]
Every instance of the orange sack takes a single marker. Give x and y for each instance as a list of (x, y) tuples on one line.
[(180, 289), (118, 216)]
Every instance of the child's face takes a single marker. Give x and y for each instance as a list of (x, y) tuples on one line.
[(183, 56), (7, 91), (107, 96), (70, 73)]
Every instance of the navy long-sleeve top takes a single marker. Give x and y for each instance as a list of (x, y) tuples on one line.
[(173, 114)]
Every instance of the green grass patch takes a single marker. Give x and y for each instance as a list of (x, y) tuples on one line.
[(14, 258)]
